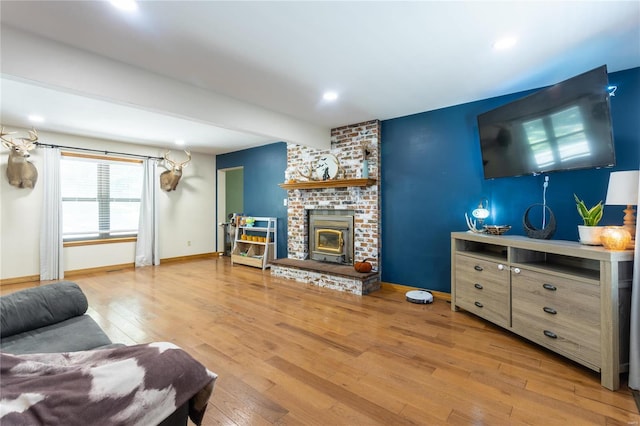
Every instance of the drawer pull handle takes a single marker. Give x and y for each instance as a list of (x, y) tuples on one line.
[(478, 286), (478, 304), (516, 270), (500, 267), (478, 268), (549, 310), (550, 334), (549, 287)]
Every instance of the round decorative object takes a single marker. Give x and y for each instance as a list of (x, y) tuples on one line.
[(615, 238), (540, 234), (327, 167), (363, 266), (419, 296)]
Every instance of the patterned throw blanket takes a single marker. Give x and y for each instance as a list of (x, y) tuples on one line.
[(130, 385)]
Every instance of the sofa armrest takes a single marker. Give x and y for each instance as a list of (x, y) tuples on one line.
[(41, 306)]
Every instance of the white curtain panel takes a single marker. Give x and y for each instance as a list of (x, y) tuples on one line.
[(634, 340), (51, 260), (147, 243)]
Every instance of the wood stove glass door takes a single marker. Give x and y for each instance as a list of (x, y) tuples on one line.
[(329, 241)]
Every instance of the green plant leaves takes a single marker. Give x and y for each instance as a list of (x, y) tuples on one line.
[(592, 216)]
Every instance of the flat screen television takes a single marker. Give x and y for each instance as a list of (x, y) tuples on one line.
[(562, 127)]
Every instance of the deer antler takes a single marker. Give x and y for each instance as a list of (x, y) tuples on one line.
[(33, 136), (168, 161), (173, 163), (184, 163), (27, 143), (309, 175), (4, 139), (471, 224), (30, 142)]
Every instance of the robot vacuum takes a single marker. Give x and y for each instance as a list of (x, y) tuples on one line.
[(419, 296)]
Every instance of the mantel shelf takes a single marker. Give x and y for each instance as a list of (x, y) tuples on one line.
[(332, 183)]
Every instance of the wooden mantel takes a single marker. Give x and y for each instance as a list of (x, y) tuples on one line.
[(331, 183)]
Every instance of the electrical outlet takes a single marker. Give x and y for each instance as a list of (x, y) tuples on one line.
[(188, 243), (284, 202)]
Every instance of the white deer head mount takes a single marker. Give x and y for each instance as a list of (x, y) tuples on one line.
[(169, 179), (20, 172)]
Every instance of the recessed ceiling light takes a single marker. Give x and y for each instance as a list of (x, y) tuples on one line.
[(505, 43), (36, 118), (126, 5), (179, 142), (330, 96)]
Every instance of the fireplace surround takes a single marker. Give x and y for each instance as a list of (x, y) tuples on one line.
[(351, 145)]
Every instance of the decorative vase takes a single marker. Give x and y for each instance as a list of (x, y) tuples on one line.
[(365, 169), (590, 235)]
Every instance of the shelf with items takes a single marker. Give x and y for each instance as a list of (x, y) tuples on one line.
[(330, 183), (255, 243)]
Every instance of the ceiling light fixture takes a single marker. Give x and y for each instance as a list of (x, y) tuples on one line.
[(126, 5), (36, 118), (330, 96), (179, 142), (505, 43)]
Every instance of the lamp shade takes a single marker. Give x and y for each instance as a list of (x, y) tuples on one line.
[(623, 188), (482, 211)]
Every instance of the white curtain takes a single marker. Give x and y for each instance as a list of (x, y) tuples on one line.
[(51, 261), (634, 340), (147, 243)]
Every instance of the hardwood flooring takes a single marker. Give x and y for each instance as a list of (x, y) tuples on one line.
[(288, 353)]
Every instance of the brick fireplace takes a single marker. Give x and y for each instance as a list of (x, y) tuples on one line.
[(362, 199)]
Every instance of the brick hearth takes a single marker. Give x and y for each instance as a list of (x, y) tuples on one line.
[(328, 275)]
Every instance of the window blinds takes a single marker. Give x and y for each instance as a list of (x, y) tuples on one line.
[(100, 196)]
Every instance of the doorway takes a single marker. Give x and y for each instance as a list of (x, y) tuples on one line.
[(230, 200)]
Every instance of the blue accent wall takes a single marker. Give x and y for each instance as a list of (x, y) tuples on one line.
[(263, 170), (431, 171), (432, 174)]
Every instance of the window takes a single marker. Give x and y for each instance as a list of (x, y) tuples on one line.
[(100, 197)]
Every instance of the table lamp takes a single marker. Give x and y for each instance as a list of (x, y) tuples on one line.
[(482, 211), (623, 191)]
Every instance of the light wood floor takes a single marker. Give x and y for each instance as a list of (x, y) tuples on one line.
[(289, 353)]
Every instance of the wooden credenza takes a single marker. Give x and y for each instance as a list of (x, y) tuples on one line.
[(570, 298)]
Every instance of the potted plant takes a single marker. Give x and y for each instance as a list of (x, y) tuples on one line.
[(589, 232)]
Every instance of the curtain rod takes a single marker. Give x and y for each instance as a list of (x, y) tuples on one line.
[(50, 145)]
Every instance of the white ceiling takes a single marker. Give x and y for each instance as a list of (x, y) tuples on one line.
[(385, 59)]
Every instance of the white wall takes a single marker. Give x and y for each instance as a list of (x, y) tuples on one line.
[(185, 215)]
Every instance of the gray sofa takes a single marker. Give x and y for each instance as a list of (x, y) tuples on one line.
[(52, 318), (49, 318)]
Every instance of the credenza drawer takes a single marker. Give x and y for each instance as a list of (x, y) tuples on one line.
[(482, 288), (559, 313)]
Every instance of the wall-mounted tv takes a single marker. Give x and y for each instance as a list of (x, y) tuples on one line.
[(562, 127)]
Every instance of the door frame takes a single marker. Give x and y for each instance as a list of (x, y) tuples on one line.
[(221, 203)]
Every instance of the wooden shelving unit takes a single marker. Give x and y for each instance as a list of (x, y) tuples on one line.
[(331, 183), (255, 245)]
